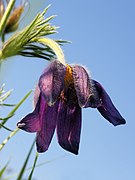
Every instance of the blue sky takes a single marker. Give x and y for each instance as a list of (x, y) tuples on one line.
[(103, 40)]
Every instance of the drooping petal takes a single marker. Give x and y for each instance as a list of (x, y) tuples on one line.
[(48, 118), (30, 122), (51, 81), (107, 108), (43, 121), (75, 130), (84, 87), (94, 100), (69, 127)]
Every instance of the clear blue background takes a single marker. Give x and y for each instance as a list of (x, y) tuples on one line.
[(103, 40)]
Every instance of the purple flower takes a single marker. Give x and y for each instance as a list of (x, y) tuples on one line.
[(61, 93)]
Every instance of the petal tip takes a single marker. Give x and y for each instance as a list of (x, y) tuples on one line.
[(120, 122), (41, 149), (41, 146), (21, 125), (69, 148)]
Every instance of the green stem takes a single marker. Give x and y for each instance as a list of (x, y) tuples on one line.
[(54, 46), (6, 15), (25, 163), (34, 165), (8, 138)]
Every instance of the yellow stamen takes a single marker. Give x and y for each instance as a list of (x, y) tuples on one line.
[(69, 75)]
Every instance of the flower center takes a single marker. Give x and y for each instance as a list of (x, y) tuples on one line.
[(68, 95), (68, 76)]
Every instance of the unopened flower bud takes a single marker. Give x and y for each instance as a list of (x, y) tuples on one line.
[(13, 20), (2, 9)]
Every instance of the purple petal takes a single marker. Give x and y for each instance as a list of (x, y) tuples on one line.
[(84, 88), (30, 123), (48, 118), (107, 109), (75, 130), (51, 81), (43, 121), (69, 127)]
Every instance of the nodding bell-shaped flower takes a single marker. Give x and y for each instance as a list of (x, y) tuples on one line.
[(61, 93), (13, 20)]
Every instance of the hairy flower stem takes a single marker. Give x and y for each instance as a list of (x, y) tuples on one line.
[(6, 15), (54, 46)]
